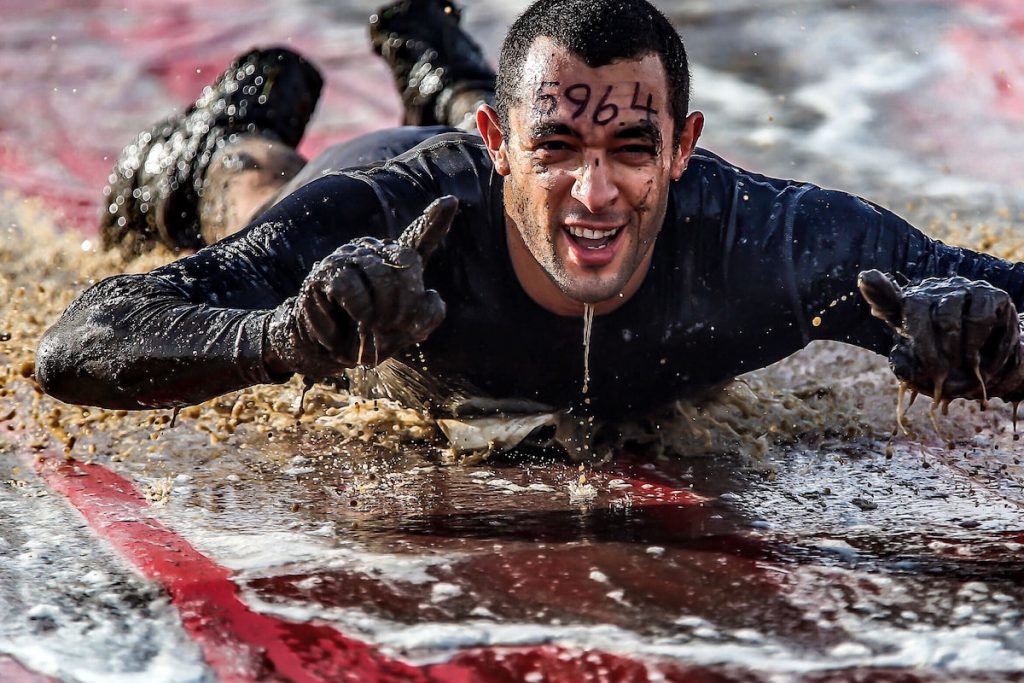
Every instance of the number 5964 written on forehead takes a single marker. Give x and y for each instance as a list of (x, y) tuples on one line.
[(595, 103)]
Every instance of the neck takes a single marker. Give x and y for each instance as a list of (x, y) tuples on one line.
[(543, 291)]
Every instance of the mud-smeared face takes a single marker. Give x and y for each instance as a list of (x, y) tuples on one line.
[(588, 159)]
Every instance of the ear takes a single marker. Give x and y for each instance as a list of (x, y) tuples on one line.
[(692, 128), (494, 137)]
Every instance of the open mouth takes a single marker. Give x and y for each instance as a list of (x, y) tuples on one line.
[(589, 239)]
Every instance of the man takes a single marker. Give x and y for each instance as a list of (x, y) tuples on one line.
[(583, 194)]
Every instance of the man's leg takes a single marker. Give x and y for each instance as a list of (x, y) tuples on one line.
[(202, 175), (408, 34), (238, 138), (439, 70), (365, 150), (241, 180)]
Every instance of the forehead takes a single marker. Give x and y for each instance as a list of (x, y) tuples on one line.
[(548, 62)]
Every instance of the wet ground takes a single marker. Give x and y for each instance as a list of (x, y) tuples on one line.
[(786, 538)]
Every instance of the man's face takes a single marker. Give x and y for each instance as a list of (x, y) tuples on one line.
[(588, 158)]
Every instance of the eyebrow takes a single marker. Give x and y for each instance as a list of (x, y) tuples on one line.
[(543, 130), (642, 129)]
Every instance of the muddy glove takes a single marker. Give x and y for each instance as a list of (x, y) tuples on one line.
[(956, 338), (361, 304)]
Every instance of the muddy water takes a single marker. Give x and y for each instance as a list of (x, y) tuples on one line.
[(776, 529)]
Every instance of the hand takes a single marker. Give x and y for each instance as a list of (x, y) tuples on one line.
[(361, 304), (956, 338)]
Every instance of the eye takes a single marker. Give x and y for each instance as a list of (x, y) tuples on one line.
[(554, 151), (637, 150), (553, 146)]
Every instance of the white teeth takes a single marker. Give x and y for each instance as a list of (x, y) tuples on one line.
[(593, 234)]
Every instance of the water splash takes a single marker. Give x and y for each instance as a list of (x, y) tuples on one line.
[(588, 326)]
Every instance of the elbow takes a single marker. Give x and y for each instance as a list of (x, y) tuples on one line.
[(91, 355), (55, 369), (65, 371)]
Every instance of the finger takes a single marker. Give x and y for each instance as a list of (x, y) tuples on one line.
[(416, 306), (404, 258), (948, 324), (349, 290), (430, 315), (338, 258), (427, 231), (363, 246), (1010, 377), (884, 296), (905, 366), (406, 266), (918, 326), (1010, 335), (986, 330), (385, 284), (316, 317)]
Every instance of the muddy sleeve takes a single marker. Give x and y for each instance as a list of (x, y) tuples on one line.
[(195, 329), (835, 236)]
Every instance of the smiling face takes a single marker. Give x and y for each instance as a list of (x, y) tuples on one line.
[(587, 159)]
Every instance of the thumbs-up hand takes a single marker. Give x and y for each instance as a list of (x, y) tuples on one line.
[(363, 303), (955, 338)]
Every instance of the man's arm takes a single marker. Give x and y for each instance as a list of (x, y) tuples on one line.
[(202, 326), (955, 338), (136, 341), (951, 332)]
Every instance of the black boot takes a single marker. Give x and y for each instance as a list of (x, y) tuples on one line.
[(155, 187), (432, 59)]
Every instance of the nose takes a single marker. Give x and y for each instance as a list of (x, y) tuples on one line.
[(595, 186)]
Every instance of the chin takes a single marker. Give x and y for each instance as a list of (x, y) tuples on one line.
[(594, 285), (578, 289)]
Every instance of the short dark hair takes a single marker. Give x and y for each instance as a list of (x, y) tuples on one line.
[(599, 32)]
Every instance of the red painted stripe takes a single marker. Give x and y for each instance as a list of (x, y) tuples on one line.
[(241, 645), (12, 671), (238, 643)]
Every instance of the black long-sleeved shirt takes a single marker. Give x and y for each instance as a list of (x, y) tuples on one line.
[(743, 274)]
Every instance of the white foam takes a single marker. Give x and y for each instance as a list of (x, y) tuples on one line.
[(957, 649), (264, 553), (70, 609), (443, 590)]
